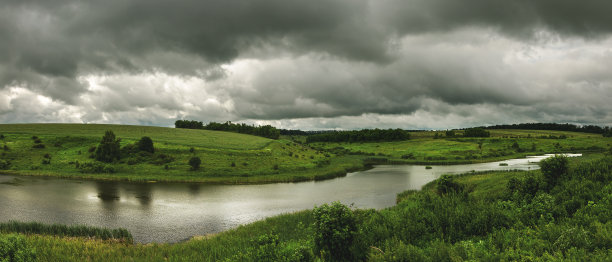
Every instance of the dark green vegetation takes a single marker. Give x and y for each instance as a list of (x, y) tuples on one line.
[(553, 126), (121, 235), (562, 213), (365, 135), (267, 131), (475, 132), (139, 153)]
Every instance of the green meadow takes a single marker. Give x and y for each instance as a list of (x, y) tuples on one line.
[(226, 157), (64, 150), (430, 147)]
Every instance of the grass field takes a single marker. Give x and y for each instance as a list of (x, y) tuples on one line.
[(237, 158), (226, 157), (424, 148)]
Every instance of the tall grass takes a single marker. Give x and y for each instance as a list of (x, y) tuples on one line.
[(119, 234)]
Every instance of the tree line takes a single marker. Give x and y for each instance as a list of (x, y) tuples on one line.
[(364, 135), (557, 127), (267, 131)]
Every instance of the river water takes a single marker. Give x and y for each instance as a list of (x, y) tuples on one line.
[(171, 212)]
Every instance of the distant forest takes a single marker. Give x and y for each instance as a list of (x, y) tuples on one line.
[(267, 131), (557, 127), (360, 136), (364, 135)]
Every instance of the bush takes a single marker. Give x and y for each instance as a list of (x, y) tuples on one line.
[(4, 164), (13, 248), (109, 148), (446, 185), (476, 132), (95, 168), (334, 231), (38, 146), (195, 162), (145, 144), (554, 168)]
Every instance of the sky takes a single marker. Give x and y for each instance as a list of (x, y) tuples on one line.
[(311, 65)]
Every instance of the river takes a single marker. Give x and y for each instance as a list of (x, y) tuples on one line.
[(171, 212)]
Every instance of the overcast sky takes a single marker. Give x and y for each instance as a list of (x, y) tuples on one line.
[(315, 64)]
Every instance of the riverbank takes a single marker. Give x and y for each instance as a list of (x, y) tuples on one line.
[(486, 220)]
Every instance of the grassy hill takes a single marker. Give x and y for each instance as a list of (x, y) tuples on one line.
[(226, 157), (65, 150)]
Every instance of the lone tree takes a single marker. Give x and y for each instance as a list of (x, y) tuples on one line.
[(145, 144), (554, 169), (335, 229), (195, 162), (109, 148)]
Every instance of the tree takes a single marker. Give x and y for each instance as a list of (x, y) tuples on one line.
[(335, 228), (195, 162), (145, 144), (109, 148), (476, 132), (554, 168)]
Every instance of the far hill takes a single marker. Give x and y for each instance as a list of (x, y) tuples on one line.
[(68, 150), (64, 150)]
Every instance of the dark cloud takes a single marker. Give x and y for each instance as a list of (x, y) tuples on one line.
[(346, 59)]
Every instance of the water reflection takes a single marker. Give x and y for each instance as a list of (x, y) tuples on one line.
[(108, 192), (169, 212)]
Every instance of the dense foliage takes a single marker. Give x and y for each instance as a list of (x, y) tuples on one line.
[(334, 231), (189, 124), (145, 144), (476, 132), (263, 131), (13, 248), (195, 162), (109, 149), (553, 126), (365, 135), (267, 131)]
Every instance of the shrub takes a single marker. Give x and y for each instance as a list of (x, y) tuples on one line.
[(4, 164), (476, 132), (38, 146), (554, 168), (145, 144), (91, 149), (109, 148), (195, 162), (446, 185), (38, 141), (334, 231), (13, 248), (6, 148), (95, 168)]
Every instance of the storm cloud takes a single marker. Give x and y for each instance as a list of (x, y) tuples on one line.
[(307, 64)]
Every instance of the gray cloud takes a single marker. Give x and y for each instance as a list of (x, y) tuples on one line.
[(153, 60)]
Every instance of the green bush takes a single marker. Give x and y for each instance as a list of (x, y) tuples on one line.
[(109, 148), (554, 168), (145, 144), (195, 162), (13, 248), (5, 164), (446, 185), (334, 231), (96, 168)]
